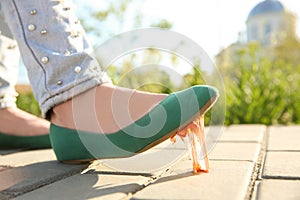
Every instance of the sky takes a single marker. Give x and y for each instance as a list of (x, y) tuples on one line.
[(212, 24)]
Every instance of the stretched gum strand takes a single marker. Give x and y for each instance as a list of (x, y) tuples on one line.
[(193, 136)]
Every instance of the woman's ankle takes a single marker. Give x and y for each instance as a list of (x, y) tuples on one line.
[(105, 108)]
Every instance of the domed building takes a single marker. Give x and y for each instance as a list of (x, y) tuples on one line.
[(269, 23)]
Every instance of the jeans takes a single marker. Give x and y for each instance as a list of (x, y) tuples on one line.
[(54, 48), (9, 60)]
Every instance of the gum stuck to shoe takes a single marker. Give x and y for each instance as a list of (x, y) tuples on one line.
[(194, 137)]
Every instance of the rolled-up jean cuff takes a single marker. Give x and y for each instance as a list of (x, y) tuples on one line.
[(77, 89)]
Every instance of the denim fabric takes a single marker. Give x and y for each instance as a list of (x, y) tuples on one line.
[(9, 60), (54, 48)]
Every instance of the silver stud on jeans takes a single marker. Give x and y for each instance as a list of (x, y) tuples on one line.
[(43, 32), (33, 12), (59, 82), (31, 27), (77, 69), (45, 60)]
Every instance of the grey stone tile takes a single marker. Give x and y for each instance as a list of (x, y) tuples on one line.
[(247, 127), (27, 157), (235, 133), (89, 186), (240, 133), (284, 138), (19, 180), (226, 180), (282, 164), (236, 151), (242, 136), (148, 163), (278, 189), (154, 164)]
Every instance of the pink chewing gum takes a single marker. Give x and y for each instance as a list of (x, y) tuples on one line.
[(194, 137)]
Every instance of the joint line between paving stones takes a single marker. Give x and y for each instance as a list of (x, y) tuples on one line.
[(153, 179), (281, 178), (284, 151), (234, 141), (231, 160), (119, 173), (146, 183), (257, 169)]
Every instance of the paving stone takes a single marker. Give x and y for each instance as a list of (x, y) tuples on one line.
[(89, 186), (242, 136), (244, 133), (148, 163), (241, 133), (282, 164), (37, 174), (19, 180), (247, 127), (278, 189), (235, 151), (284, 138), (28, 157), (226, 180)]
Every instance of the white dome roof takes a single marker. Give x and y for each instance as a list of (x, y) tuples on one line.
[(266, 6)]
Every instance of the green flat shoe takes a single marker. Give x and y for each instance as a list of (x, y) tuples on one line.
[(31, 142), (163, 121)]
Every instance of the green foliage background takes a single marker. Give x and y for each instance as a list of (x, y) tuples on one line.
[(27, 102), (262, 85)]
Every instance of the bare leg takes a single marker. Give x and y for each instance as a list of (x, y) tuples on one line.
[(14, 121), (105, 108)]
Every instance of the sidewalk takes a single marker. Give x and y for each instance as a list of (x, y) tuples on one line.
[(248, 162)]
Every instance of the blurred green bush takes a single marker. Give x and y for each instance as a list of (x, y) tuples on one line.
[(262, 85), (27, 102)]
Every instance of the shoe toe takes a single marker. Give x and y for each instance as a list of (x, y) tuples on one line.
[(196, 99)]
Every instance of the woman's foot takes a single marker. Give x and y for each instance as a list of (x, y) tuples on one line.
[(105, 108), (109, 109), (14, 121)]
